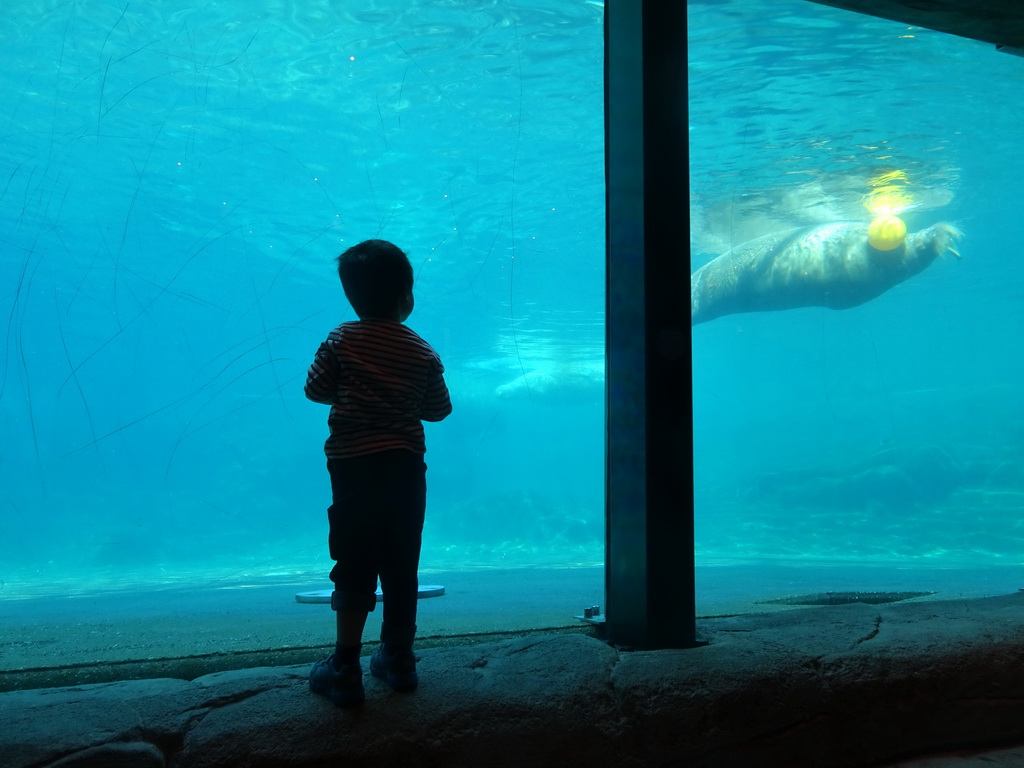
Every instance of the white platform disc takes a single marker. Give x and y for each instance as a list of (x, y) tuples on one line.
[(324, 595)]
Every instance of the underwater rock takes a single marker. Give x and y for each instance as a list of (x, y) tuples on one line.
[(894, 477)]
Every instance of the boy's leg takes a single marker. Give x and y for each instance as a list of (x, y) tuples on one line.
[(355, 580), (353, 544), (399, 573), (340, 676), (349, 638), (400, 553), (350, 627)]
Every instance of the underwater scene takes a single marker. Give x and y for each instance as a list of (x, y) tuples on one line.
[(869, 413), (176, 180)]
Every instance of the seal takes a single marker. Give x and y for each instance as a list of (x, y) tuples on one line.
[(832, 266)]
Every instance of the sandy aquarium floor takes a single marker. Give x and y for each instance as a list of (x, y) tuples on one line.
[(147, 631)]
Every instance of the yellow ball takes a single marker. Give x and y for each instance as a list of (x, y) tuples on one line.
[(886, 233)]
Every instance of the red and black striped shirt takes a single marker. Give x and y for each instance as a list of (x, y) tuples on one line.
[(381, 381)]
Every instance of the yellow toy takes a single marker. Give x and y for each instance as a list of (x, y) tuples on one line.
[(887, 233)]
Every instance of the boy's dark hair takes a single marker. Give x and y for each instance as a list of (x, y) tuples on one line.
[(376, 275)]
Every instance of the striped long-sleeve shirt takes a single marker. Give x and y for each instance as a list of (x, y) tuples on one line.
[(381, 381)]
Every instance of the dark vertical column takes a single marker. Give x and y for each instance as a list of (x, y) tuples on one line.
[(649, 453)]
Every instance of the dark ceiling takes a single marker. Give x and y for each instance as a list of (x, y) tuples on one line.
[(1000, 22)]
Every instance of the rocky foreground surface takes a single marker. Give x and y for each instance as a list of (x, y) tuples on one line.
[(848, 685)]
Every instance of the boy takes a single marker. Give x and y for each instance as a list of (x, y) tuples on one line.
[(380, 380)]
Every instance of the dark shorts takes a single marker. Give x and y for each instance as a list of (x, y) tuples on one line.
[(376, 521)]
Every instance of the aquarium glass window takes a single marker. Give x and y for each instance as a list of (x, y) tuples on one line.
[(856, 380), (175, 182)]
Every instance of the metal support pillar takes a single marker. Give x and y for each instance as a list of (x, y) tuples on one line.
[(650, 601)]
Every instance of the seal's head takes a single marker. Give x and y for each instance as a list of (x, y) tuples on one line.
[(886, 233), (935, 241)]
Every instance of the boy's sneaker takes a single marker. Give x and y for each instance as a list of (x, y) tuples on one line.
[(397, 670), (342, 686)]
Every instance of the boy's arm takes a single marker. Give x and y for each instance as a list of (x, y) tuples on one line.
[(437, 402), (322, 378)]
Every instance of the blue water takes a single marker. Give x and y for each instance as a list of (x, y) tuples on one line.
[(890, 432), (175, 180)]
